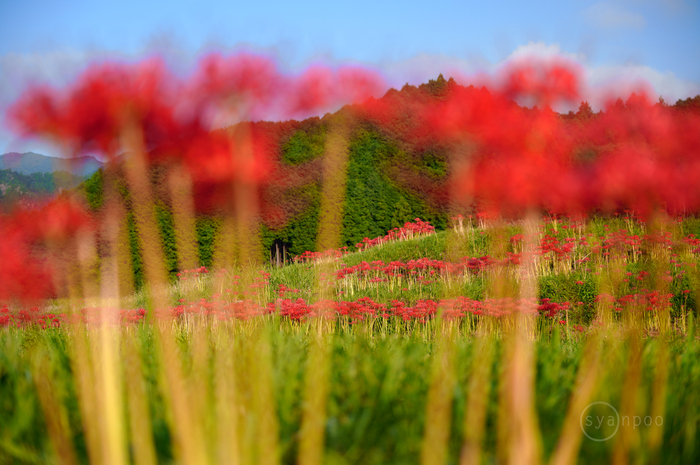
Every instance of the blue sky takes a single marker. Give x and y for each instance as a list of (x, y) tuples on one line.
[(615, 41)]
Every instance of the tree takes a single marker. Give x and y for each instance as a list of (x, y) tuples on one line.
[(437, 87), (402, 213), (585, 111)]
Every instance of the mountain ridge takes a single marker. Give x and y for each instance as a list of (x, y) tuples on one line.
[(31, 162)]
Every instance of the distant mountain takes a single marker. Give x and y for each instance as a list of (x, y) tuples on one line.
[(33, 189), (30, 162)]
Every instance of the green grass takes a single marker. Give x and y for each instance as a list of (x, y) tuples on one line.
[(377, 400)]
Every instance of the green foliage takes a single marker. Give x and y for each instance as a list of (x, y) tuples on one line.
[(134, 240), (23, 436), (93, 190), (557, 365), (207, 229), (373, 204), (166, 227), (378, 391), (296, 276), (437, 87), (135, 249), (690, 225), (432, 246), (300, 232), (402, 211), (568, 288), (434, 165), (304, 145), (585, 112), (692, 104)]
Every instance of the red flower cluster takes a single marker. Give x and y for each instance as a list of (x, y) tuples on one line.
[(513, 159), (282, 290), (330, 254), (408, 231), (551, 309), (693, 241), (421, 267), (29, 318), (355, 311), (550, 244), (26, 235), (184, 275), (651, 301), (422, 310), (109, 98), (462, 306), (294, 309), (361, 309)]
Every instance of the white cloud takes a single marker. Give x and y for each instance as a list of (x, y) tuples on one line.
[(544, 51), (612, 81), (609, 16)]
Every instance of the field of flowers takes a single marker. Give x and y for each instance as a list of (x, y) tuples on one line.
[(555, 324), (398, 353)]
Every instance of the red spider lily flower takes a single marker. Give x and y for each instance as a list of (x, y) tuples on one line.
[(175, 117), (645, 157), (546, 82), (92, 113), (62, 219), (220, 157), (356, 85), (655, 157), (239, 86), (24, 273), (312, 90), (520, 158), (320, 87)]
